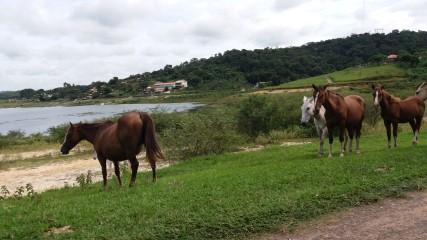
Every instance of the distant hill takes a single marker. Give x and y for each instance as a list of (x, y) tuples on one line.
[(359, 74), (234, 69), (281, 65)]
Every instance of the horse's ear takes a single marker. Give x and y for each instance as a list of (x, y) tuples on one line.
[(373, 86), (71, 125), (314, 87), (382, 87), (304, 99)]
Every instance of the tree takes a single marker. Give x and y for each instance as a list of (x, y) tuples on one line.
[(27, 93), (378, 58)]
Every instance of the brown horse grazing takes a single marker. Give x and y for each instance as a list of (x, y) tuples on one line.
[(118, 142), (345, 112), (395, 111), (421, 91)]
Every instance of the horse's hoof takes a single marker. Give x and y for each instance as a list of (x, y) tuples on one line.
[(330, 155)]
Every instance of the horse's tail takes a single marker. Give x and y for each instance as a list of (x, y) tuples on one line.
[(149, 139)]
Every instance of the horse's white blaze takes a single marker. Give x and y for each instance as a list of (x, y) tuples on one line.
[(376, 99), (315, 99), (65, 138)]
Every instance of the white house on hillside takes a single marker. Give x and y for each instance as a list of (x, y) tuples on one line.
[(160, 87)]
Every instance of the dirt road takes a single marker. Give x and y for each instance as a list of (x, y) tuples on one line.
[(390, 219)]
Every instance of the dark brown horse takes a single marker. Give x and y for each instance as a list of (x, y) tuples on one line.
[(118, 142), (395, 111), (345, 112)]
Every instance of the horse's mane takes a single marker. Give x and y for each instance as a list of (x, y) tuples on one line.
[(337, 94), (391, 98)]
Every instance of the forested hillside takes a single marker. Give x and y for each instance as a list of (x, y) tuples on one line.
[(243, 68)]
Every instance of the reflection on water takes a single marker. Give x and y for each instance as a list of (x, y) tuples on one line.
[(39, 119)]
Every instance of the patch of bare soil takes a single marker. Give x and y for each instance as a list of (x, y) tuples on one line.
[(65, 229), (394, 218), (58, 175)]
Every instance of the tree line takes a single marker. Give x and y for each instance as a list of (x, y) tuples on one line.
[(235, 69)]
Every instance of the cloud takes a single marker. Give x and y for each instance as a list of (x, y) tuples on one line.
[(45, 43), (281, 5)]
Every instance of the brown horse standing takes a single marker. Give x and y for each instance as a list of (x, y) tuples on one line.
[(345, 112), (395, 111), (118, 142)]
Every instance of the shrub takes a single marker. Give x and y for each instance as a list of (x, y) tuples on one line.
[(261, 114), (208, 131)]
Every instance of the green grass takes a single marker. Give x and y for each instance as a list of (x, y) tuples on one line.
[(350, 75), (226, 196)]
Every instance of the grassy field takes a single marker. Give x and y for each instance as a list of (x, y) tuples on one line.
[(350, 75), (227, 196)]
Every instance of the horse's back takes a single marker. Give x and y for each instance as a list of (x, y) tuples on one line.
[(355, 108), (412, 106), (129, 128)]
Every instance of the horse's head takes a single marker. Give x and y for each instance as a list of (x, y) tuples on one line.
[(72, 137), (378, 94), (422, 91), (306, 110), (319, 95)]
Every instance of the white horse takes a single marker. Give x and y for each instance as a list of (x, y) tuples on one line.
[(422, 91), (319, 121)]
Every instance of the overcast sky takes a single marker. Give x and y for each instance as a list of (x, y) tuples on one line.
[(44, 43)]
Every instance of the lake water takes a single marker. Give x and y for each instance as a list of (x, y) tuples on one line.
[(39, 119)]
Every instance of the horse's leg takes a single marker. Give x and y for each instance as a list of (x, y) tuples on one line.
[(134, 166), (341, 138), (358, 130), (331, 139), (350, 132), (395, 124), (415, 131), (117, 172), (103, 161), (345, 141), (322, 140), (388, 130)]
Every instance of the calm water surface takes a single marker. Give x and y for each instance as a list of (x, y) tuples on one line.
[(39, 119)]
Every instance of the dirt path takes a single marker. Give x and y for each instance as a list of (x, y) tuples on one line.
[(391, 219)]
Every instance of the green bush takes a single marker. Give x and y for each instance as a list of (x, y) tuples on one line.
[(57, 134), (261, 114), (211, 130)]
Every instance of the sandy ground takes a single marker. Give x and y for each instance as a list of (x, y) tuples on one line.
[(55, 175)]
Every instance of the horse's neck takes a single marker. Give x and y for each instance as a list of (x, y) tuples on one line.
[(387, 100), (331, 101), (89, 131)]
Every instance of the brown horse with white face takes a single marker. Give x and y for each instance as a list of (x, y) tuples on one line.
[(345, 112), (118, 141), (395, 111), (421, 91)]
